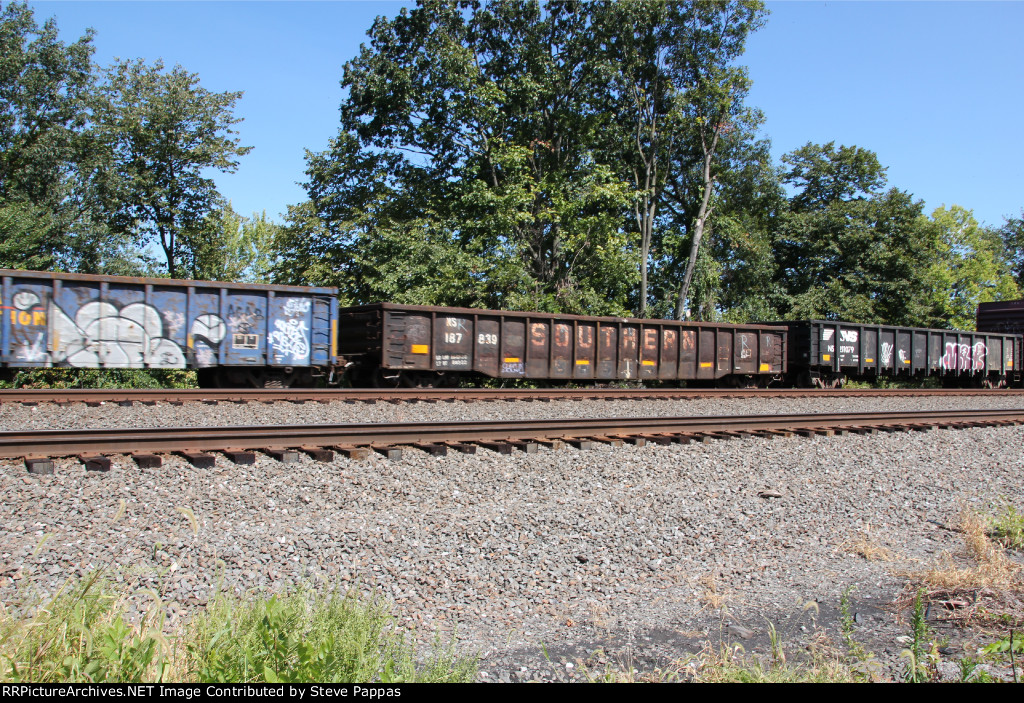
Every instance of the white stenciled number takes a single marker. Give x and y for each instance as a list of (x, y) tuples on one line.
[(487, 338), (453, 337)]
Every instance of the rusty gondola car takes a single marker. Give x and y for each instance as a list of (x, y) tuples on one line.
[(232, 334), (388, 344)]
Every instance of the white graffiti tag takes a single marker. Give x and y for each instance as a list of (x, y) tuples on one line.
[(745, 352), (964, 357), (886, 353), (35, 352), (294, 307), (290, 339), (103, 335)]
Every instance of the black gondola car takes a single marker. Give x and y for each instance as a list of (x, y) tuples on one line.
[(825, 352)]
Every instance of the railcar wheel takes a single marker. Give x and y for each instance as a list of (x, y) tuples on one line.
[(386, 378), (423, 379)]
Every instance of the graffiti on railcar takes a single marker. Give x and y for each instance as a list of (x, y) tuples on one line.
[(245, 323), (964, 357), (105, 334), (289, 339), (745, 351), (295, 307), (886, 353)]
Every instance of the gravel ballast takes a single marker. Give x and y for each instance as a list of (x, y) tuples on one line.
[(532, 561)]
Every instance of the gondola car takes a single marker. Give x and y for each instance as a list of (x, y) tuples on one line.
[(232, 334), (387, 345)]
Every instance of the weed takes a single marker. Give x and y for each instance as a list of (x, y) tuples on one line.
[(1007, 528), (921, 655), (100, 378), (625, 670), (1009, 646), (732, 666), (306, 638), (81, 635)]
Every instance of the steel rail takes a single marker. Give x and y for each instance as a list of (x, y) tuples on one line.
[(53, 443), (460, 394)]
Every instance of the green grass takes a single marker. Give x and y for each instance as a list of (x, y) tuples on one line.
[(1007, 527), (311, 638), (81, 635), (86, 634)]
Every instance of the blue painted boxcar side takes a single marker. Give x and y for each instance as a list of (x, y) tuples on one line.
[(77, 320)]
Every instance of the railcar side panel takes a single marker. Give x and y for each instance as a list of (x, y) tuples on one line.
[(834, 348), (79, 320)]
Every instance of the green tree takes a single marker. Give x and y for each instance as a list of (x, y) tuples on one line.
[(679, 124), (847, 249), (52, 168), (163, 131), (1012, 234), (234, 248), (970, 267), (519, 155)]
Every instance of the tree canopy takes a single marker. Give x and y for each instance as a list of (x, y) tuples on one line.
[(558, 155), (45, 87), (163, 130), (97, 164), (527, 150)]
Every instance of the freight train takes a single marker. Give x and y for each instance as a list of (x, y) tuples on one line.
[(248, 335)]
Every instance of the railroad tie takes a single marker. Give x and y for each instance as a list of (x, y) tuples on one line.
[(199, 460), (524, 446), (390, 453), (354, 453), (95, 463), (432, 449), (500, 447), (38, 465), (318, 453), (285, 456)]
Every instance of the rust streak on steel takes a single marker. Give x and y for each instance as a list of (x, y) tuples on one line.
[(164, 440), (464, 394)]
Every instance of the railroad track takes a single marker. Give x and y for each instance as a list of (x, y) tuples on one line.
[(433, 395), (284, 442)]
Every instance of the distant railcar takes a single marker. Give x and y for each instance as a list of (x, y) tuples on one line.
[(232, 334), (389, 344), (825, 352), (1005, 316)]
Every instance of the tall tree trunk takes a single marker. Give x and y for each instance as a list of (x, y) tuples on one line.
[(699, 221)]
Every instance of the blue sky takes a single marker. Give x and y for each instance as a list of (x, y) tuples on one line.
[(935, 88)]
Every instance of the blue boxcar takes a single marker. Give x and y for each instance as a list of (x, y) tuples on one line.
[(233, 334)]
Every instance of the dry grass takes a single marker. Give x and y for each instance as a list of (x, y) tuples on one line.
[(712, 598), (864, 546), (732, 665), (982, 585)]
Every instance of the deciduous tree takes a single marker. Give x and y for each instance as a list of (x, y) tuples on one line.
[(164, 130), (50, 164)]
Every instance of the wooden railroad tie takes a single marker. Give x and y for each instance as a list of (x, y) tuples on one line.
[(147, 461), (95, 463), (199, 460)]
